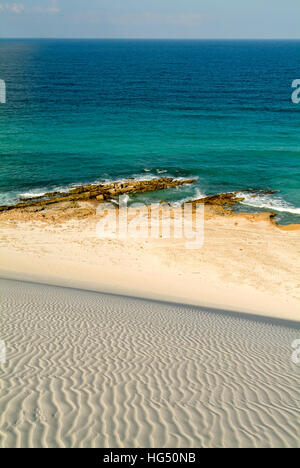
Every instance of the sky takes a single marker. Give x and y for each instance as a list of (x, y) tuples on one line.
[(186, 19)]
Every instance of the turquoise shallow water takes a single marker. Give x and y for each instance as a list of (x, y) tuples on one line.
[(83, 111)]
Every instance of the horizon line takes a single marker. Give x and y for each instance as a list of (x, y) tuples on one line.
[(157, 38)]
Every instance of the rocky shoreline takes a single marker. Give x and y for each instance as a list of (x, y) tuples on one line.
[(99, 192), (81, 202), (107, 192)]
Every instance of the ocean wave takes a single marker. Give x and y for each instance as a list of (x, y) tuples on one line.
[(269, 202), (197, 195), (158, 171), (7, 199), (32, 194), (13, 197), (161, 171), (40, 193)]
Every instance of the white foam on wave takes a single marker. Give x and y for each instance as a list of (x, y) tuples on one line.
[(7, 199), (197, 195), (32, 194), (38, 193), (158, 171), (270, 202)]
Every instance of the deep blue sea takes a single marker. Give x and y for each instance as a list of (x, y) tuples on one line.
[(82, 111)]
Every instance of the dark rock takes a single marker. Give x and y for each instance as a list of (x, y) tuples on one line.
[(223, 199), (100, 192)]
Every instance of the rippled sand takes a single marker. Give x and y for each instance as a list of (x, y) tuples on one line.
[(93, 370)]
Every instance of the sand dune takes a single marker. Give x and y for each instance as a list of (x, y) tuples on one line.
[(92, 370)]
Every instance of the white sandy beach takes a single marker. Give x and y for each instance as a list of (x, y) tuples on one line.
[(247, 264), (92, 370), (134, 368)]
